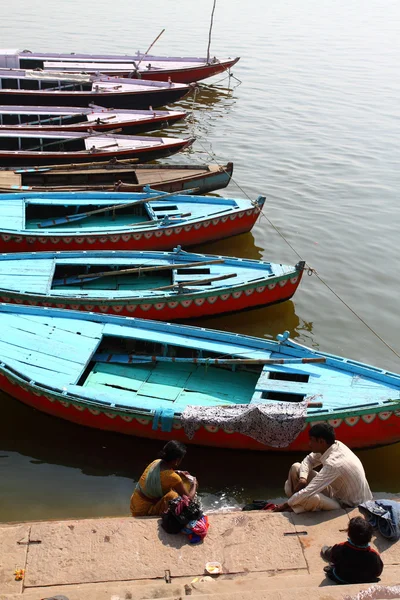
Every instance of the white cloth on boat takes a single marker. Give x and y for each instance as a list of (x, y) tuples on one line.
[(273, 424), (342, 472)]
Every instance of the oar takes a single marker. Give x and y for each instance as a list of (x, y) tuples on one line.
[(135, 358), (139, 270), (149, 48), (80, 216), (171, 219), (75, 139), (198, 282)]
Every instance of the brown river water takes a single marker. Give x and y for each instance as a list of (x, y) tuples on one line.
[(310, 120)]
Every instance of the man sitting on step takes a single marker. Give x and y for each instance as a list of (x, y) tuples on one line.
[(340, 483)]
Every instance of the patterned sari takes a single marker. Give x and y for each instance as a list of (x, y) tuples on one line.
[(154, 490)]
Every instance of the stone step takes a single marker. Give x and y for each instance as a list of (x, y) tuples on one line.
[(278, 586)]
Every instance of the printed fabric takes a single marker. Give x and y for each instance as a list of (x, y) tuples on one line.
[(196, 530), (275, 425), (185, 516)]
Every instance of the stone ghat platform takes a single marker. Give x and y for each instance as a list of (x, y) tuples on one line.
[(268, 556)]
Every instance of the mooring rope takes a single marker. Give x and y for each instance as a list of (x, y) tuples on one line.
[(309, 269)]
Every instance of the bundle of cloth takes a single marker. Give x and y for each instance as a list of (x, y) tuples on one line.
[(384, 516), (185, 516)]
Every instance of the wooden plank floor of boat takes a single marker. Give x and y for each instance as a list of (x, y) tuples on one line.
[(150, 176), (9, 178)]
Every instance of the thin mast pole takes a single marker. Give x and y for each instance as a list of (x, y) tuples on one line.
[(209, 35)]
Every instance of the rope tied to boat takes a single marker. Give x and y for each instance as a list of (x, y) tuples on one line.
[(310, 270)]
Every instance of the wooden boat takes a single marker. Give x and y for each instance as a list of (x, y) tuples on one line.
[(154, 285), (115, 175), (138, 377), (35, 148), (49, 88), (114, 221), (44, 118), (139, 65)]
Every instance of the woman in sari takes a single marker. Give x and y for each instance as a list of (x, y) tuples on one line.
[(161, 482)]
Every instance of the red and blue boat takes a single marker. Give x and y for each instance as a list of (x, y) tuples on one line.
[(143, 378), (167, 286), (37, 222)]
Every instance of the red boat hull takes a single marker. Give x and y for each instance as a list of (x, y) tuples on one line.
[(128, 127), (182, 307), (25, 158), (370, 430), (188, 75), (162, 239)]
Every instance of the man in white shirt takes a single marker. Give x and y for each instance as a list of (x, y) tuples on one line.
[(341, 481)]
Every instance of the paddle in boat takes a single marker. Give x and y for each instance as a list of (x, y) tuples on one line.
[(116, 175), (49, 88), (167, 381), (60, 118), (34, 148), (33, 222), (139, 65), (154, 285)]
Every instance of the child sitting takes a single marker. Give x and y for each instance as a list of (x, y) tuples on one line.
[(353, 561)]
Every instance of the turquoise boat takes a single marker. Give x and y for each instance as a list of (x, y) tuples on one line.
[(166, 286), (152, 220), (167, 381)]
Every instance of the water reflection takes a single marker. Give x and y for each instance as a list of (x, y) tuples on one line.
[(206, 96), (260, 322)]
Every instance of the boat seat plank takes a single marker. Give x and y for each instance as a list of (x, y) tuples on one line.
[(40, 356), (34, 284), (81, 327), (35, 333), (50, 347), (12, 214), (342, 385), (164, 337), (25, 267), (44, 363), (38, 374)]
